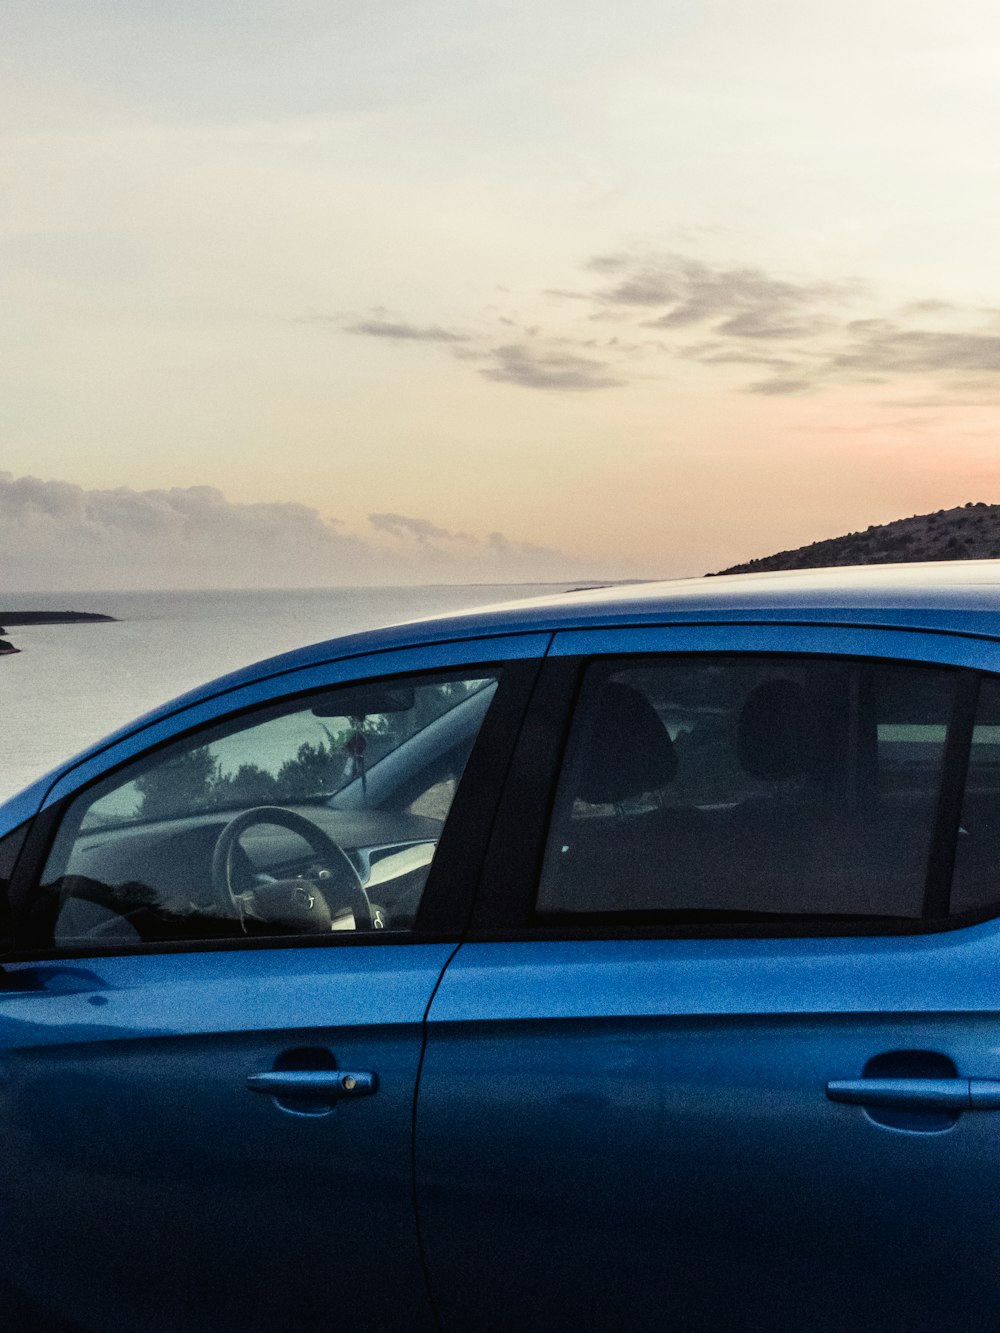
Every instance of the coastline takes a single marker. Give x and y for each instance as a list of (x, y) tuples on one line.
[(52, 617), (46, 618)]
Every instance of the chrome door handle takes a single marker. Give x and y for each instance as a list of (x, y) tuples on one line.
[(912, 1094), (322, 1084)]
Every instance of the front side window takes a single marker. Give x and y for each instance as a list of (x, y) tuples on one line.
[(748, 787), (308, 816)]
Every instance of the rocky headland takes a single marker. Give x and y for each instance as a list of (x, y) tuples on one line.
[(970, 532), (45, 618)]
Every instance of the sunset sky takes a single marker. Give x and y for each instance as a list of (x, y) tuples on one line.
[(296, 291)]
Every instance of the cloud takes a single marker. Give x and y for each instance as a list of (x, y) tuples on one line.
[(881, 347), (966, 363), (55, 535), (741, 302), (402, 332), (517, 363), (929, 307), (402, 525), (542, 365), (813, 327), (503, 546), (606, 263), (647, 287), (713, 355), (811, 334), (779, 386)]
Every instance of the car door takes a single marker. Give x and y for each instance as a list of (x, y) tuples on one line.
[(721, 1048), (206, 1108)]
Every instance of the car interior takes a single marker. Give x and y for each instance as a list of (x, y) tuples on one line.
[(778, 790), (177, 860)]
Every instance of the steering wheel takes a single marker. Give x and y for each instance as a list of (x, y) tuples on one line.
[(344, 878)]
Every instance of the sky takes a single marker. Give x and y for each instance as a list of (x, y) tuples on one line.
[(303, 292)]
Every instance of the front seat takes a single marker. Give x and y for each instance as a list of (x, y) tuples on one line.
[(613, 860)]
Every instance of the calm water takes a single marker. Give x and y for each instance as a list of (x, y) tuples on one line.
[(71, 684)]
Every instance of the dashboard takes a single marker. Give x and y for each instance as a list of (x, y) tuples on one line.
[(155, 880)]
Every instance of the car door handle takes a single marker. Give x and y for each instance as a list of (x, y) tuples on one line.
[(322, 1084), (933, 1094), (930, 1094)]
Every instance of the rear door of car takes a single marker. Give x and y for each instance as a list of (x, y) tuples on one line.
[(144, 1181), (699, 1115)]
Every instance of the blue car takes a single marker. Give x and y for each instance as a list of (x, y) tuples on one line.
[(628, 959)]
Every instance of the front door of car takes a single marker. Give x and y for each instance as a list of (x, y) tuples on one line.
[(207, 1075), (726, 1060)]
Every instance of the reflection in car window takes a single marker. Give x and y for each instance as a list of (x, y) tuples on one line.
[(342, 797), (309, 752), (749, 786)]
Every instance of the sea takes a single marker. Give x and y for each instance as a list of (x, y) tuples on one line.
[(71, 684)]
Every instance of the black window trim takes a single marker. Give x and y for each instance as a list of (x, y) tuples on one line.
[(447, 901), (505, 906), (954, 770)]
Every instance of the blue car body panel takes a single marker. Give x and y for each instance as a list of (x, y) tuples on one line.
[(143, 1186), (565, 1131), (639, 1129), (846, 641)]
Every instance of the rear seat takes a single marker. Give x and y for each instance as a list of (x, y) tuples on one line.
[(796, 849)]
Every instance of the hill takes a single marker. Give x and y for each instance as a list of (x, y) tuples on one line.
[(971, 532)]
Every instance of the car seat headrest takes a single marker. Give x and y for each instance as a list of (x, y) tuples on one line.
[(627, 749), (780, 734)]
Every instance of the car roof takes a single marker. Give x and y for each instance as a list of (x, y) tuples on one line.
[(954, 596)]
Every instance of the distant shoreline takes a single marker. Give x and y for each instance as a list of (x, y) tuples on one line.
[(52, 617), (46, 618)]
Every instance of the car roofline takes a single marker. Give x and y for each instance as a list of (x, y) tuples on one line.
[(954, 597)]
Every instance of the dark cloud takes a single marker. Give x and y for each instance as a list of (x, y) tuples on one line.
[(532, 368), (402, 332)]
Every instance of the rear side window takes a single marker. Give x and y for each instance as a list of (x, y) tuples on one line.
[(747, 787)]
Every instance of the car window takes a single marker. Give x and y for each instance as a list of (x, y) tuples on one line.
[(976, 883), (746, 786), (314, 815)]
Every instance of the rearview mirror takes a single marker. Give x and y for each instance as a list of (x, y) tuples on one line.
[(364, 701)]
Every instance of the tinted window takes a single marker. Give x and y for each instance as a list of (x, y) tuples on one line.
[(976, 882), (746, 785), (339, 800), (10, 849)]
